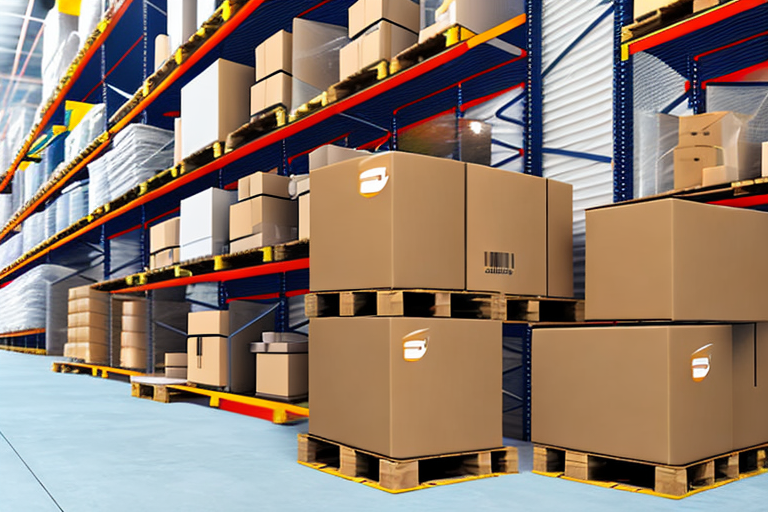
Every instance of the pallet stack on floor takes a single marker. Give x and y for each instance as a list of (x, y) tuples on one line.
[(386, 386), (88, 325), (674, 391), (133, 335)]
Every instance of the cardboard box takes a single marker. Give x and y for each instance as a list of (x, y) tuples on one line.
[(133, 357), (700, 5), (750, 391), (315, 57), (645, 6), (280, 347), (717, 175), (262, 183), (137, 340), (204, 227), (165, 258), (330, 154), (511, 224), (247, 243), (304, 216), (392, 220), (135, 324), (87, 334), (96, 353), (690, 162), (88, 305), (275, 55), (675, 260), (271, 91), (162, 50), (274, 218), (87, 319), (467, 14), (214, 104), (177, 359), (364, 13), (164, 235), (181, 21), (86, 292), (764, 171), (660, 394), (207, 358), (135, 308), (173, 372), (408, 377), (380, 42), (282, 375)]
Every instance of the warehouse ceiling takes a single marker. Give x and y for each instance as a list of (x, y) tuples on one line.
[(21, 49)]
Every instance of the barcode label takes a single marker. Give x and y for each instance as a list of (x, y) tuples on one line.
[(499, 262)]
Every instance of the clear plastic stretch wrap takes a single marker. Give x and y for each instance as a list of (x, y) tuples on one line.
[(6, 208), (53, 157), (78, 202), (91, 126), (137, 153), (50, 221), (744, 98), (33, 231), (59, 63), (203, 296), (316, 49), (33, 180), (61, 205), (657, 136), (10, 250), (23, 302), (17, 190), (91, 12), (20, 122)]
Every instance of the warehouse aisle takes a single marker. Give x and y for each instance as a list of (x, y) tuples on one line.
[(96, 448)]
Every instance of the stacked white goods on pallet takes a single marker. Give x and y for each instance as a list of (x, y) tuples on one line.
[(91, 12), (23, 301), (33, 180), (33, 231), (50, 221), (138, 152), (62, 210), (78, 201), (61, 43), (90, 126), (6, 208), (10, 251)]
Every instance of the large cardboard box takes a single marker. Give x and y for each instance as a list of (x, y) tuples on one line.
[(276, 219), (87, 334), (382, 41), (364, 13), (675, 260), (96, 353), (88, 305), (176, 372), (214, 104), (304, 215), (204, 227), (134, 308), (133, 357), (690, 162), (208, 361), (315, 57), (271, 91), (396, 393), (275, 55), (750, 389), (247, 243), (86, 292), (718, 175), (164, 235), (165, 258), (467, 14), (134, 339), (282, 375), (330, 154), (177, 359), (660, 394), (392, 220), (87, 319), (512, 220), (262, 183)]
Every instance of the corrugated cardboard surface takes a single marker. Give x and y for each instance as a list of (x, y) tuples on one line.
[(384, 42), (629, 391), (690, 162), (134, 339), (366, 395), (283, 375), (87, 319), (303, 216), (366, 12), (274, 217), (208, 323), (675, 260), (86, 292), (559, 239), (271, 91), (86, 305), (210, 367), (165, 234), (408, 235), (262, 183), (173, 372), (135, 308), (315, 56), (176, 359), (247, 243), (165, 258), (275, 54), (506, 215), (330, 154), (89, 334), (750, 384), (133, 357)]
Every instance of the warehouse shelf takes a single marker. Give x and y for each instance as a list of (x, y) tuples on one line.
[(83, 69), (29, 341), (744, 194), (446, 82)]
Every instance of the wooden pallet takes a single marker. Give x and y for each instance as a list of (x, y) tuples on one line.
[(648, 478), (157, 392), (95, 370), (396, 476), (434, 45), (657, 19), (443, 304), (363, 79), (259, 125)]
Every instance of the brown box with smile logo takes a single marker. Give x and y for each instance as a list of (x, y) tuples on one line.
[(662, 394), (406, 387)]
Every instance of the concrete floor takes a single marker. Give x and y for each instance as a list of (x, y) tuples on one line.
[(94, 447)]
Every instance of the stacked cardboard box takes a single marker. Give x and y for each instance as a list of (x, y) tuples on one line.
[(176, 365), (315, 63), (204, 224), (676, 393), (164, 243), (218, 346), (88, 328), (713, 148), (274, 73), (379, 29), (399, 220), (265, 214), (133, 338), (439, 15), (282, 360)]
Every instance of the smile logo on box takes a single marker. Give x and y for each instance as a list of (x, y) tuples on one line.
[(701, 363), (415, 345), (373, 181)]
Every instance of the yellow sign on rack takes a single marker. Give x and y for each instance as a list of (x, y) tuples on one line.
[(71, 7)]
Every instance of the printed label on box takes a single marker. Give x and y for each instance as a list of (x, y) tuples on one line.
[(701, 362), (373, 181), (499, 262), (415, 345)]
